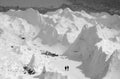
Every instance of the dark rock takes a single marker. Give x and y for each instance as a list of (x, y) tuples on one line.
[(29, 70), (48, 53)]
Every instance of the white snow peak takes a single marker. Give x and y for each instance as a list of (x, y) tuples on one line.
[(70, 25)]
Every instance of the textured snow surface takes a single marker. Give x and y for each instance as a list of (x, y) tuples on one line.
[(24, 34)]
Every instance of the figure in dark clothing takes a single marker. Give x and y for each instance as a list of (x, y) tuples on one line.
[(66, 68)]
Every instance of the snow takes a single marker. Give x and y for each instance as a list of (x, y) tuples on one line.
[(14, 28)]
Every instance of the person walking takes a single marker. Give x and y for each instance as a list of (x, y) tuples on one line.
[(66, 68)]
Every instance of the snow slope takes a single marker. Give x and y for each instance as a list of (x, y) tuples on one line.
[(88, 43)]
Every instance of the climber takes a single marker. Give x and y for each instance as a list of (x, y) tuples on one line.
[(66, 68)]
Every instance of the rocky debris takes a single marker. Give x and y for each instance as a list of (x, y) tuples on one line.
[(29, 68), (48, 53)]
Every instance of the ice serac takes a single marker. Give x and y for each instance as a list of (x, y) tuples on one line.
[(95, 46), (107, 44), (50, 75), (84, 50)]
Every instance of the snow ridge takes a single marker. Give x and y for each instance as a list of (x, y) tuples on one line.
[(70, 25)]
